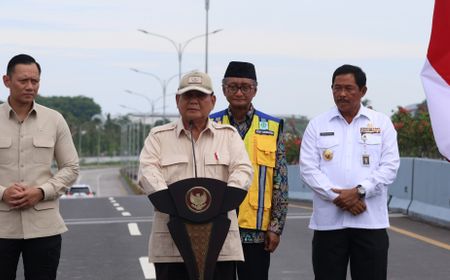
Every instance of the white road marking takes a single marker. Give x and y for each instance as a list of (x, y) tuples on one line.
[(147, 268), (116, 204), (119, 208), (126, 214), (134, 229), (99, 221), (111, 198)]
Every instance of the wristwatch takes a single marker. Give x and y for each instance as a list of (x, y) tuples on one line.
[(361, 191)]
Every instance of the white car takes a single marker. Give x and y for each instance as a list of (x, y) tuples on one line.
[(79, 191)]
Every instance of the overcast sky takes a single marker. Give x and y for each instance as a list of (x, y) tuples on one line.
[(87, 47)]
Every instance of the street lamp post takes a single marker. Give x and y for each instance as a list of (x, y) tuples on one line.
[(150, 101), (206, 35), (143, 121), (163, 84), (99, 119), (179, 46)]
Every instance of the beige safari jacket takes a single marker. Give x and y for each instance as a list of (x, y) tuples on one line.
[(167, 157), (27, 150)]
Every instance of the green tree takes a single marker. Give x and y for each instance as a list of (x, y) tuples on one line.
[(414, 132), (293, 132), (75, 109), (292, 144), (111, 136)]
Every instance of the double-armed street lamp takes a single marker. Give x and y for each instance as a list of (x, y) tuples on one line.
[(150, 101), (162, 83), (179, 46)]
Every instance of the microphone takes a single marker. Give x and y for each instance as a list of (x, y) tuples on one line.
[(191, 124)]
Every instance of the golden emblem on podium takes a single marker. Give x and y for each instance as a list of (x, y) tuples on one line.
[(328, 154), (198, 199)]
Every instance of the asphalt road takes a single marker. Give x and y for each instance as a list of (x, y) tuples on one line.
[(108, 239), (104, 181)]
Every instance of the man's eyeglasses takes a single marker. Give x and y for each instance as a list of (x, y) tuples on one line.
[(233, 89)]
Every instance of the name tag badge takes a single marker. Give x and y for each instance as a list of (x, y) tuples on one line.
[(327, 133), (365, 160), (264, 132)]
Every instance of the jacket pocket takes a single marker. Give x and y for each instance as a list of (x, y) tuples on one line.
[(45, 205), (371, 141), (371, 145), (4, 207), (266, 147), (174, 167), (43, 149), (217, 166), (329, 150), (5, 150)]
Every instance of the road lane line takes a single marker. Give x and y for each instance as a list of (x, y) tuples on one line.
[(116, 204), (111, 198), (147, 268), (119, 208), (300, 206), (421, 238), (134, 229), (126, 214)]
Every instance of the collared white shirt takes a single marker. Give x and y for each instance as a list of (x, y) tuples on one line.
[(336, 154)]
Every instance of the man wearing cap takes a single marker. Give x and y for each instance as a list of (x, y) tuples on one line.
[(189, 147), (262, 214)]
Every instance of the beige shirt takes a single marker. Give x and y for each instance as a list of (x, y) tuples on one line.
[(167, 157), (27, 150)]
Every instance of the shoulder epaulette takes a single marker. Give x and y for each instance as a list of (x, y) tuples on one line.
[(165, 127), (222, 126)]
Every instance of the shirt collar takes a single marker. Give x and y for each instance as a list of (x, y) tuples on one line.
[(180, 127), (9, 111), (248, 116), (363, 111)]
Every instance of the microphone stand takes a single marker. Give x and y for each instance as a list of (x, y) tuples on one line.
[(191, 124)]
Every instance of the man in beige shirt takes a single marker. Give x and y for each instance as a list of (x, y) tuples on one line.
[(31, 137), (167, 157)]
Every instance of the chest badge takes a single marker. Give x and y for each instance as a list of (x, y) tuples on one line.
[(263, 125), (328, 154)]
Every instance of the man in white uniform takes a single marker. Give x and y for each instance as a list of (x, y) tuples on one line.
[(348, 157)]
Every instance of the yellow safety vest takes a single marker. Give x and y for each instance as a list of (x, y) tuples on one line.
[(261, 144)]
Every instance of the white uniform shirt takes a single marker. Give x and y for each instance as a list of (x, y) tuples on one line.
[(336, 154)]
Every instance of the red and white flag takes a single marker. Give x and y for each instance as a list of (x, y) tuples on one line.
[(436, 76)]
